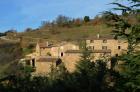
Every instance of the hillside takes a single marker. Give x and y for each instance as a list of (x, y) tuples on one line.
[(67, 34), (9, 54), (68, 30)]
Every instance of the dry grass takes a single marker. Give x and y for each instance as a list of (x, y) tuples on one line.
[(74, 33)]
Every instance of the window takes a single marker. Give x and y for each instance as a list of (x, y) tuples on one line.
[(90, 48), (58, 62), (33, 62), (104, 41), (104, 47), (61, 54), (91, 41), (116, 55), (93, 48), (119, 47)]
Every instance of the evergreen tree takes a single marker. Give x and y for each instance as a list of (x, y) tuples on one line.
[(129, 79), (86, 19), (85, 63), (85, 71)]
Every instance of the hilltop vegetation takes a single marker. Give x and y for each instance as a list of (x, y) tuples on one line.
[(67, 29)]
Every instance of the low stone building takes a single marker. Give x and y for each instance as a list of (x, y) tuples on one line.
[(45, 64), (70, 53), (47, 56), (57, 50)]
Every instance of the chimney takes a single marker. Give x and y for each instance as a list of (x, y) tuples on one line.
[(98, 35), (47, 43)]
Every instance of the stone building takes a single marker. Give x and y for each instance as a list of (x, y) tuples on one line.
[(101, 47), (48, 55), (57, 50), (107, 44), (45, 64), (70, 53)]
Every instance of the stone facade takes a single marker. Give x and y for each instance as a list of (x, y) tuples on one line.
[(58, 50), (69, 53), (45, 64), (117, 46), (47, 55)]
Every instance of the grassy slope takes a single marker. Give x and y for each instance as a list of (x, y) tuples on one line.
[(68, 33)]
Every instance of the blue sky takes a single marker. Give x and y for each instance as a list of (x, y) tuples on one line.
[(21, 14)]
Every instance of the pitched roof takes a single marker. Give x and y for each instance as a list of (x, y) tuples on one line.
[(94, 51), (101, 37), (45, 45), (47, 59)]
